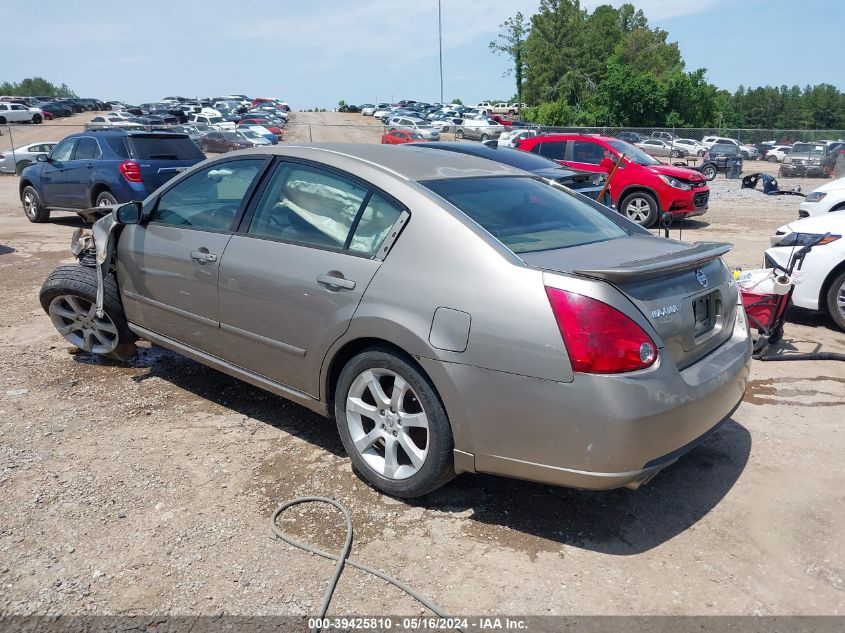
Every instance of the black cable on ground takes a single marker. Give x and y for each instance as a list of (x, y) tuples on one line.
[(343, 558), (808, 356)]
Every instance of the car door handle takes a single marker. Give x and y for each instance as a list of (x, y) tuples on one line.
[(203, 256), (334, 281)]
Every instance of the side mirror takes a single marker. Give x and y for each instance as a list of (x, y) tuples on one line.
[(42, 158), (607, 164), (129, 213)]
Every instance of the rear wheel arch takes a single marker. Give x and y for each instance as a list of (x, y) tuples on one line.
[(350, 349), (96, 190)]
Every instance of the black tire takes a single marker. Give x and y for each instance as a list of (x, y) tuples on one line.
[(22, 164), (105, 197), (438, 467), (709, 171), (81, 282), (647, 204), (772, 159), (2, 120), (37, 118), (511, 112), (33, 208), (834, 294), (459, 134)]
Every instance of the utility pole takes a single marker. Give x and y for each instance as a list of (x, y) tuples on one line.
[(440, 45)]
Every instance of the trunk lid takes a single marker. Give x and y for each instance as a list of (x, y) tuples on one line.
[(684, 290)]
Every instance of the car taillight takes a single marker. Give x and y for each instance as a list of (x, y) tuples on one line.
[(130, 170), (599, 338)]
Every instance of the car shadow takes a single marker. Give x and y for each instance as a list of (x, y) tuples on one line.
[(68, 220), (619, 522)]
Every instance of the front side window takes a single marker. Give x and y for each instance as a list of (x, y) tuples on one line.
[(209, 198), (63, 150), (587, 152), (86, 149), (527, 215), (308, 206)]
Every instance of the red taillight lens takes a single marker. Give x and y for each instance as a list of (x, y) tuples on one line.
[(130, 170), (599, 338)]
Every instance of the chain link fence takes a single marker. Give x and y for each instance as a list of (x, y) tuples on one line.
[(685, 144)]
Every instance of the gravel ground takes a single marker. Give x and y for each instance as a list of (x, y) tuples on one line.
[(147, 487)]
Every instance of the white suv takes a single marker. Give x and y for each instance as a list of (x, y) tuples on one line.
[(829, 197), (17, 113)]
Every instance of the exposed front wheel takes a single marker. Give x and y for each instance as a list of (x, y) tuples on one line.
[(69, 297), (772, 159), (640, 207), (836, 300), (393, 425)]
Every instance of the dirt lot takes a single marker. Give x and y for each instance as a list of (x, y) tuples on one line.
[(147, 487)]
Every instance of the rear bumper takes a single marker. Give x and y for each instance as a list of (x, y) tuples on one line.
[(597, 432)]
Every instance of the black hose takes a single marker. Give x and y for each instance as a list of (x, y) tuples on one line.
[(808, 356), (343, 558)]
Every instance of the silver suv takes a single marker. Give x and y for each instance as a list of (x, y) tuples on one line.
[(481, 129), (423, 128)]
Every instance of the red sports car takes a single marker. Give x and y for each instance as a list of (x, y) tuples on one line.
[(397, 137)]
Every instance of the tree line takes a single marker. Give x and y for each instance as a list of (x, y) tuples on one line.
[(35, 86), (609, 68)]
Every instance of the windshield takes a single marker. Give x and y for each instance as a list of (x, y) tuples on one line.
[(525, 214), (724, 149), (807, 148), (633, 154), (215, 119)]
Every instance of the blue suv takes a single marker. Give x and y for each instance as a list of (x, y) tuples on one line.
[(103, 167)]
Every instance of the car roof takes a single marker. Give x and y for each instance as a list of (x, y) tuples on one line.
[(571, 137), (416, 163)]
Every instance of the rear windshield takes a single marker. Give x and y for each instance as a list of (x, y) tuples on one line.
[(527, 215), (165, 148)]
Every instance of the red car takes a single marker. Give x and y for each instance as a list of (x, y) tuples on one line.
[(498, 118), (642, 188), (397, 137), (263, 122)]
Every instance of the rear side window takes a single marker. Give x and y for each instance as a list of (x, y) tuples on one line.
[(164, 148), (86, 149), (525, 214), (118, 145), (553, 149)]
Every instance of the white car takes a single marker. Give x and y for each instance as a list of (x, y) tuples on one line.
[(423, 128), (514, 136), (691, 146), (777, 153), (215, 122), (13, 161), (749, 152), (368, 108), (110, 121), (17, 113), (829, 197), (821, 280)]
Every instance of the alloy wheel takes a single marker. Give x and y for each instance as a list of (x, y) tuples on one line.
[(76, 319), (840, 301), (387, 423), (638, 210), (30, 205)]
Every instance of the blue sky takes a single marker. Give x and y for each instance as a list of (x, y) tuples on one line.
[(314, 53)]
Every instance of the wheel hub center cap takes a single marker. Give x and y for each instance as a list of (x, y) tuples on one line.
[(390, 420)]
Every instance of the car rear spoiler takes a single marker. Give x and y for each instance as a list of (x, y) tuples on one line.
[(696, 256)]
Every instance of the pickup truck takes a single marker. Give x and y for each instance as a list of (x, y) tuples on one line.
[(18, 113), (505, 108)]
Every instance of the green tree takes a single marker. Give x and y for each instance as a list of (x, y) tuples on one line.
[(457, 102), (630, 98), (511, 42), (35, 86)]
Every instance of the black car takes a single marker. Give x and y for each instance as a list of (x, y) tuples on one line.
[(55, 109), (71, 104), (631, 137), (721, 158), (586, 183)]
